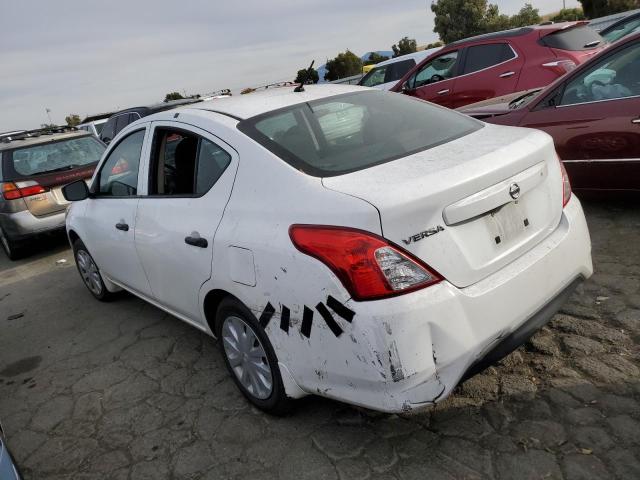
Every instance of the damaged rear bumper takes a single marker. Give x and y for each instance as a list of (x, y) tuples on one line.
[(419, 346)]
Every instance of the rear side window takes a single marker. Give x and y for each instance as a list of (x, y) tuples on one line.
[(185, 164), (354, 131), (574, 39), (122, 121), (397, 70), (108, 132), (480, 57), (53, 157)]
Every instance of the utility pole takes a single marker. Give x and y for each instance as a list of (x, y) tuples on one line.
[(48, 116)]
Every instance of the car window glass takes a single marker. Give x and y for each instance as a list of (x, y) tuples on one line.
[(374, 77), (397, 70), (108, 132), (438, 69), (616, 76), (118, 176), (622, 30), (577, 38), (351, 132), (183, 163), (121, 122), (480, 57)]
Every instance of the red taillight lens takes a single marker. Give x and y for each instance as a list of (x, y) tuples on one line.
[(11, 191), (367, 265), (566, 185), (560, 67)]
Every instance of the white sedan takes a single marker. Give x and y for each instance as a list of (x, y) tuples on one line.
[(341, 241)]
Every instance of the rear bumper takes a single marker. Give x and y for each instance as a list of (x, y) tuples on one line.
[(419, 346), (21, 225)]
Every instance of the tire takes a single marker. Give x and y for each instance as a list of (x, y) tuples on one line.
[(233, 317), (9, 246), (90, 273)]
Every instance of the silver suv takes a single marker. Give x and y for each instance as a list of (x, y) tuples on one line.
[(34, 165)]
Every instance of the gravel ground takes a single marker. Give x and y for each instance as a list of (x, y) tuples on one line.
[(124, 391)]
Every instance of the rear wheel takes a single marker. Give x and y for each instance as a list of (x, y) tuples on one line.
[(250, 358), (9, 246), (89, 272)]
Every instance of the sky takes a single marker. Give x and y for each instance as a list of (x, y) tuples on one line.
[(90, 57)]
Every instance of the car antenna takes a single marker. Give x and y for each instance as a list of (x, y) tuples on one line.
[(300, 88)]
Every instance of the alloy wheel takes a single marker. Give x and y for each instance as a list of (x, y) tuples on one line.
[(89, 272), (247, 357)]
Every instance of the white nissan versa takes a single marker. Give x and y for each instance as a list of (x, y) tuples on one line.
[(341, 241)]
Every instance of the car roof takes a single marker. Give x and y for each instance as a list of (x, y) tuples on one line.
[(158, 107), (246, 106), (623, 20), (519, 32), (28, 139)]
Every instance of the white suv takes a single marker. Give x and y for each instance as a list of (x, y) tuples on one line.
[(340, 241)]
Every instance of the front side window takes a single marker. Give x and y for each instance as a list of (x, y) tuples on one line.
[(118, 176), (354, 131), (53, 157), (387, 73), (374, 77), (185, 164), (480, 57), (438, 69), (617, 76)]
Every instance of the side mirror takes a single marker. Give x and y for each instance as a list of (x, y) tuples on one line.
[(76, 191), (405, 87)]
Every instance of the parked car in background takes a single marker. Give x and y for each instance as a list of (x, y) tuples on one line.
[(386, 74), (34, 166), (8, 468), (94, 127), (377, 260), (121, 119), (495, 64), (628, 25), (601, 23), (593, 115)]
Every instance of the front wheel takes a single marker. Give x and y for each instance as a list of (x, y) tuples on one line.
[(250, 358), (89, 272)]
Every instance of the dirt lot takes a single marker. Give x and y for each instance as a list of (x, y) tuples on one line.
[(124, 391)]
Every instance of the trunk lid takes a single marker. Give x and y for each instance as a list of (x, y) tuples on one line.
[(451, 206), (52, 201)]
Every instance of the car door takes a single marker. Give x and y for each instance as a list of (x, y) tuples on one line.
[(110, 215), (190, 177), (595, 122), (434, 81), (488, 70)]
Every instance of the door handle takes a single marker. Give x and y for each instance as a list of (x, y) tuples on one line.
[(507, 74), (196, 241), (122, 226), (442, 92), (636, 120)]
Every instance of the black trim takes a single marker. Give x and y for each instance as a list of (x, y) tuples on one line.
[(265, 316), (307, 320), (524, 332), (340, 309), (285, 319), (329, 320)]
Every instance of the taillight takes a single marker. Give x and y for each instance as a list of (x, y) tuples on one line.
[(13, 191), (560, 67), (566, 185), (368, 266)]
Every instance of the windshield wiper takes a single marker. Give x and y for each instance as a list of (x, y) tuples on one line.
[(591, 44), (520, 100), (60, 169)]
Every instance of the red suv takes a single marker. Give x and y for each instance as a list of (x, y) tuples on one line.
[(487, 66)]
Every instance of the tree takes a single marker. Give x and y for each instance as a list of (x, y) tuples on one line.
[(304, 77), (526, 16), (344, 65), (374, 58), (458, 19), (48, 125), (405, 45), (600, 8), (173, 96), (568, 14), (72, 120)]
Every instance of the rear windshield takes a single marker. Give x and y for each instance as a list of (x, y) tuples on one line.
[(615, 33), (387, 73), (51, 157), (576, 38), (354, 131)]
